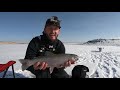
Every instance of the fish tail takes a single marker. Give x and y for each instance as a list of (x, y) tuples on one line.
[(24, 64), (22, 61)]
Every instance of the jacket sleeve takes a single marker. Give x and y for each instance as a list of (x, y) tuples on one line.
[(31, 51)]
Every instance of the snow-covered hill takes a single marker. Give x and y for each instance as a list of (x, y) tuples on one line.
[(108, 42)]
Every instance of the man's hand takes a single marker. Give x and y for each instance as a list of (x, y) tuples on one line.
[(40, 65), (68, 63)]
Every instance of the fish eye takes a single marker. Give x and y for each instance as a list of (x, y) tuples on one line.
[(77, 58)]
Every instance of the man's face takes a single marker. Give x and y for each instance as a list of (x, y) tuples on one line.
[(52, 32)]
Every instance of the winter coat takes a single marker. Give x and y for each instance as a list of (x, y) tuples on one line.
[(39, 44)]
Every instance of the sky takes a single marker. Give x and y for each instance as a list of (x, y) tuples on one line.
[(75, 26)]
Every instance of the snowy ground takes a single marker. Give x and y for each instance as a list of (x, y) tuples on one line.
[(105, 64)]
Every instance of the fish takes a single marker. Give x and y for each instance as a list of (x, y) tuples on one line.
[(53, 60)]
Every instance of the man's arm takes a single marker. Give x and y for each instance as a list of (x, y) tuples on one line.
[(31, 51)]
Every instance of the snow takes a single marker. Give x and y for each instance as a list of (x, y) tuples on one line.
[(104, 64)]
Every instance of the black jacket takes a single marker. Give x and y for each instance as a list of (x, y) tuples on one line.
[(38, 45)]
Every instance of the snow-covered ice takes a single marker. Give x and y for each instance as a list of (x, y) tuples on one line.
[(104, 64)]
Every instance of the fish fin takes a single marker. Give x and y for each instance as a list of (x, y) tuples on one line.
[(51, 69), (48, 53), (23, 61)]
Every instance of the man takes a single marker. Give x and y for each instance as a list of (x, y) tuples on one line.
[(47, 42)]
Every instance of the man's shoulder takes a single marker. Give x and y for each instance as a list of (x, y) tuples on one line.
[(60, 42), (36, 38)]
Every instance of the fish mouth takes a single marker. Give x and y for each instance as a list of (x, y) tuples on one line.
[(76, 57)]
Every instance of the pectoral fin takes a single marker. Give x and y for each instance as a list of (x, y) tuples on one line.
[(51, 69)]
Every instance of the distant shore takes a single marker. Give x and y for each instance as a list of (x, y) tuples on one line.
[(3, 42)]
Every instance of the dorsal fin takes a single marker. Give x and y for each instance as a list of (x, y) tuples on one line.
[(48, 53)]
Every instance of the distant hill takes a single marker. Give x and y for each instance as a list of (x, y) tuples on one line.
[(105, 42), (73, 43), (10, 42), (110, 42)]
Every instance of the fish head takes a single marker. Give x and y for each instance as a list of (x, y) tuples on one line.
[(74, 57)]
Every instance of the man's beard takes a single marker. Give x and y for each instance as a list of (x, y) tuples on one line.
[(52, 34), (49, 37)]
